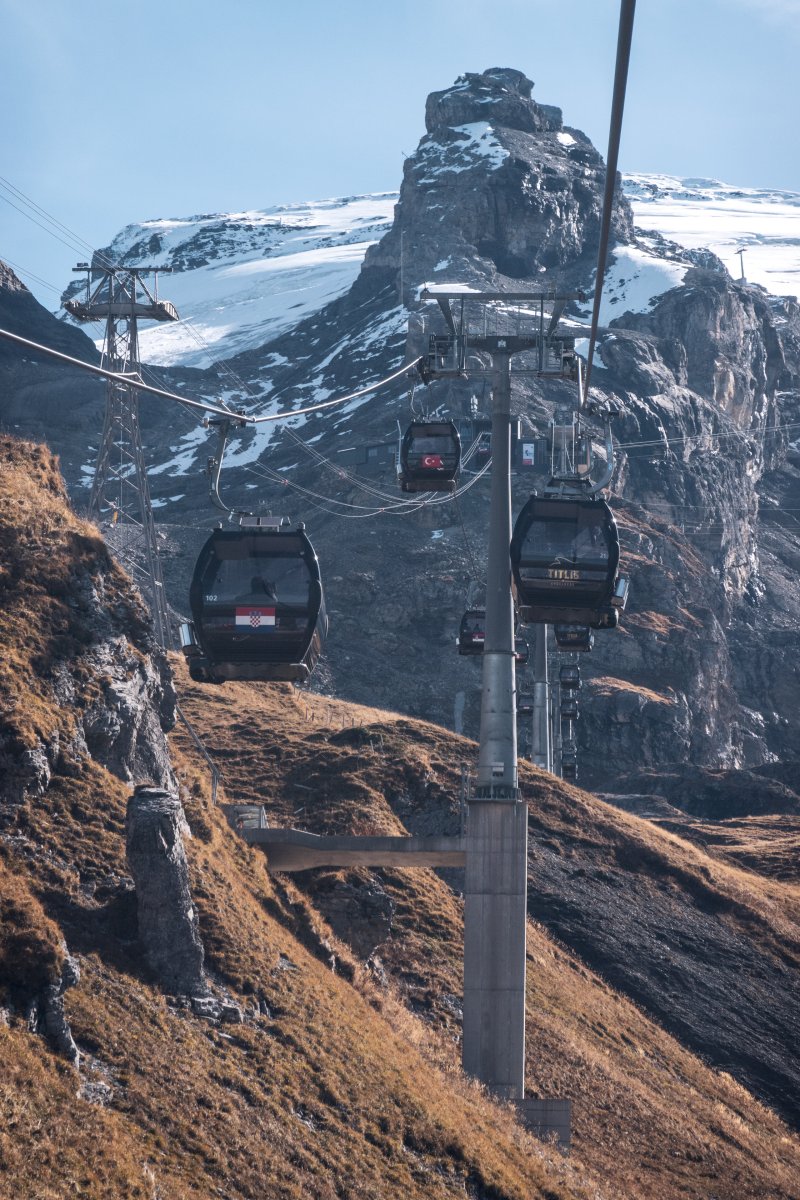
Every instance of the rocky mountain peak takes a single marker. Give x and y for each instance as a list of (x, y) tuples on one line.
[(497, 187), (9, 282), (500, 95)]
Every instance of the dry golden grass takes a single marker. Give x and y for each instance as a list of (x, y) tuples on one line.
[(332, 1089), (46, 555), (661, 623), (651, 1120), (606, 685), (766, 845), (31, 953), (316, 1095)]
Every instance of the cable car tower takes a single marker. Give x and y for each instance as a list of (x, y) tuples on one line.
[(120, 496), (495, 889)]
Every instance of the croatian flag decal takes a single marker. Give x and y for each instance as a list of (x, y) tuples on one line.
[(256, 617)]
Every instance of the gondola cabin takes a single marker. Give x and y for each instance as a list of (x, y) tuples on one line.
[(569, 768), (257, 606), (569, 708), (570, 678), (574, 637), (472, 632), (430, 457), (564, 560), (472, 637)]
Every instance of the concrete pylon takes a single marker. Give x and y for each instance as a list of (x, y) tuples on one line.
[(495, 906), (495, 896)]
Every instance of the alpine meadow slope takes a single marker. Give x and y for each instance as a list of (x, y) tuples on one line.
[(336, 1072)]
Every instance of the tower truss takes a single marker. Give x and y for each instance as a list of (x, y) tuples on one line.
[(120, 496)]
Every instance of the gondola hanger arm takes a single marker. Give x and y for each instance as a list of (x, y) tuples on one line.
[(223, 425)]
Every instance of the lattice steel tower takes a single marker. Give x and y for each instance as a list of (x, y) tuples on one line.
[(120, 497)]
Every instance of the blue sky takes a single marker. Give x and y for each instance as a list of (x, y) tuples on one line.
[(117, 113)]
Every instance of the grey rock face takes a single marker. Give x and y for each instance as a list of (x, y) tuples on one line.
[(501, 92), (55, 1021), (45, 1014), (168, 930), (22, 314), (360, 912), (496, 174), (124, 727)]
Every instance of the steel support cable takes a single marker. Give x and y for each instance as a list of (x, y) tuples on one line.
[(200, 746), (470, 555), (398, 508), (341, 472), (627, 9), (321, 460), (270, 473), (225, 410), (31, 275), (79, 242), (293, 375), (52, 232), (139, 385), (274, 477), (30, 203), (694, 437)]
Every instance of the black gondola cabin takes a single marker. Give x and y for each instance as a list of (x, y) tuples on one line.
[(430, 457), (564, 559), (472, 632), (257, 606), (574, 637)]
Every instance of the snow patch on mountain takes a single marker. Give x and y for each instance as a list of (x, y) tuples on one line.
[(707, 214), (634, 281), (240, 279), (475, 144)]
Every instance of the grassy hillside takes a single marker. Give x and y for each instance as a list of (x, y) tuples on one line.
[(342, 1079), (651, 1119), (319, 1092)]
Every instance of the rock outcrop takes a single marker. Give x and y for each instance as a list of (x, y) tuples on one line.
[(48, 1015), (168, 929), (497, 187), (78, 634)]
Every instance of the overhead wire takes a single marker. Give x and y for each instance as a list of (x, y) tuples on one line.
[(395, 507), (136, 382), (31, 274), (624, 38), (470, 555), (75, 241)]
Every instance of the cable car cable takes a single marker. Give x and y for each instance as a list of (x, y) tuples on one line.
[(137, 383), (7, 185), (627, 9), (470, 555)]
